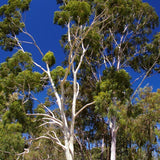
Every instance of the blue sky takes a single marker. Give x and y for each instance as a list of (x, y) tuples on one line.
[(39, 22)]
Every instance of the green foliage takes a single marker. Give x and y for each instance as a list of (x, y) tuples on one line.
[(114, 89), (126, 17), (58, 73), (11, 141), (11, 23), (120, 34), (74, 10), (80, 11), (93, 38), (17, 82), (18, 62), (144, 125), (17, 72), (49, 58), (29, 79), (149, 57), (20, 58), (61, 18), (123, 10), (39, 109), (44, 149)]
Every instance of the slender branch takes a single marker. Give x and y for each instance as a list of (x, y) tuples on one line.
[(5, 152), (39, 66), (71, 60), (38, 114), (50, 137), (69, 34), (94, 74), (147, 73), (77, 89), (25, 32), (60, 103), (129, 58), (54, 87), (79, 142), (55, 120), (43, 106), (56, 139), (19, 43), (34, 42), (84, 107), (26, 150), (104, 59), (114, 38), (27, 42), (137, 78), (81, 59)]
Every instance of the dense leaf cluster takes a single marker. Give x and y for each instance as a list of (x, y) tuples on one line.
[(11, 23)]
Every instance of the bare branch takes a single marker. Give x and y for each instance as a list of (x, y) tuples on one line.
[(39, 66), (56, 139), (54, 120), (84, 107), (34, 42), (43, 106), (147, 73), (81, 59)]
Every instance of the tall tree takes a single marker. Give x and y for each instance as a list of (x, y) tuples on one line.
[(120, 42), (145, 131), (102, 39), (75, 16)]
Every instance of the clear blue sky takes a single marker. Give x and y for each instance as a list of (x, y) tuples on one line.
[(39, 22)]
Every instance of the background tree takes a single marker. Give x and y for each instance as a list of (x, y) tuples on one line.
[(121, 43)]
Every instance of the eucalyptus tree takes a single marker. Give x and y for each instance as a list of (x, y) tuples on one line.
[(121, 42), (75, 16), (102, 39), (146, 122)]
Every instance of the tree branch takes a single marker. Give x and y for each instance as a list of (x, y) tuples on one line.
[(147, 73), (84, 107)]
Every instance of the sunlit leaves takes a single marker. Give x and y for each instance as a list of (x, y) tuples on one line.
[(49, 58), (80, 11), (93, 39), (113, 91), (29, 80), (61, 18), (74, 10), (58, 73), (20, 59), (145, 132), (17, 71), (11, 23), (11, 140)]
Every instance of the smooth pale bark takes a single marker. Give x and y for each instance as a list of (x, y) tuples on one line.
[(102, 149), (113, 128), (69, 152)]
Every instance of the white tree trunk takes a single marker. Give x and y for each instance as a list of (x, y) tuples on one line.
[(113, 128), (102, 149), (69, 152)]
